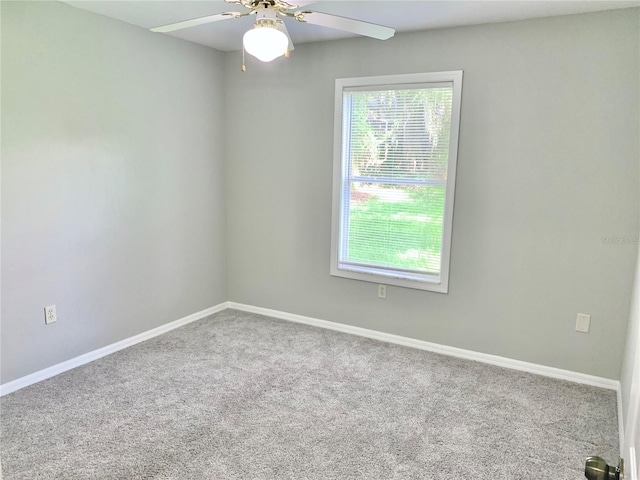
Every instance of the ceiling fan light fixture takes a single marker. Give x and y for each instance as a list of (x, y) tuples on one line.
[(269, 38), (265, 42)]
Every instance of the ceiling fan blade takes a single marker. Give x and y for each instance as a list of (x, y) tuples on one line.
[(283, 29), (300, 3), (346, 24), (197, 21)]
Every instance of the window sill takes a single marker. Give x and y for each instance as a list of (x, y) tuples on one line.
[(399, 279)]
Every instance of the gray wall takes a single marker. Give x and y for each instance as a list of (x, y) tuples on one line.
[(112, 182), (547, 168)]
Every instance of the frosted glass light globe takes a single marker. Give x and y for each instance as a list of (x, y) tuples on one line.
[(266, 43)]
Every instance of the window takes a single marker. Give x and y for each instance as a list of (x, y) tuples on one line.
[(396, 142)]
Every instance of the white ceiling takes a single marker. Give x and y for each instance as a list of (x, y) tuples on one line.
[(403, 15)]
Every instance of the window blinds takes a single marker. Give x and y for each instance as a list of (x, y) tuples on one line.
[(395, 156)]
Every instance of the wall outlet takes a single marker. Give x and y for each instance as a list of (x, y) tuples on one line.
[(583, 322), (50, 314), (382, 291)]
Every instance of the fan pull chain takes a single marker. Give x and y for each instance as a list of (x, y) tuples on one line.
[(244, 68)]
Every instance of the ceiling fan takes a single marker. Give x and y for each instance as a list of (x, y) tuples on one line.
[(269, 38)]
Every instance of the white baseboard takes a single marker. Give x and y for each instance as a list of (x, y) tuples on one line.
[(101, 352), (620, 419), (363, 332), (436, 348)]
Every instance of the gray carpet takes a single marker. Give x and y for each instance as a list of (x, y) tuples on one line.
[(242, 396)]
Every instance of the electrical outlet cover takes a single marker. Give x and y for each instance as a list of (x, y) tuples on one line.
[(50, 314), (583, 322)]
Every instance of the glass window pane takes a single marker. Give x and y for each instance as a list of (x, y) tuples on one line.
[(396, 226), (400, 133)]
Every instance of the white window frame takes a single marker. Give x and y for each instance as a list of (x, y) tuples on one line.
[(340, 180)]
